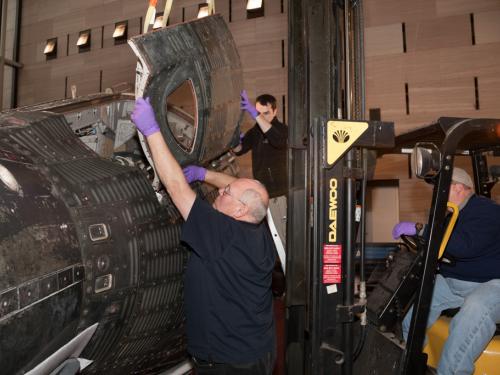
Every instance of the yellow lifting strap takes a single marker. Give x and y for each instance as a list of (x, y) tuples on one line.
[(150, 14), (211, 6), (166, 12), (451, 224)]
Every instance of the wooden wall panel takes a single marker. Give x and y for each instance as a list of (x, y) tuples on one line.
[(222, 8), (441, 60), (70, 24), (274, 7), (239, 12), (381, 199), (446, 32), (272, 81), (175, 16), (274, 27), (390, 98), (445, 73), (36, 32), (463, 162), (190, 12), (414, 200), (10, 26), (86, 82), (243, 32), (451, 7), (452, 96), (38, 91), (117, 77), (107, 36), (487, 27), (383, 40), (489, 92), (392, 167), (384, 12), (255, 57), (131, 9)]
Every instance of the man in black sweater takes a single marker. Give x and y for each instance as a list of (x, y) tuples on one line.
[(267, 140)]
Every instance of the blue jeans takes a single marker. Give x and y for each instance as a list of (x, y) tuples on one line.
[(471, 329)]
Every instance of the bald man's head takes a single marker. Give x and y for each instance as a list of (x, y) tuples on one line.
[(255, 196), (244, 199)]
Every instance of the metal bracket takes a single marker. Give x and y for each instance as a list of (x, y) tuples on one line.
[(346, 314), (356, 173), (339, 355)]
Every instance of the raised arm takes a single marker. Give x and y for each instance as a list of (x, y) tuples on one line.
[(195, 173), (245, 105), (166, 165)]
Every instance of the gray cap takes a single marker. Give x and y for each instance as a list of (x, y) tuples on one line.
[(462, 177)]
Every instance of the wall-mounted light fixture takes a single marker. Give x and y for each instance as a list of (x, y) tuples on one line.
[(158, 21), (50, 49), (203, 10), (254, 4), (255, 8), (83, 42), (120, 33)]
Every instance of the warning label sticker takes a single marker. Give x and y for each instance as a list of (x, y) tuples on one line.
[(332, 254), (332, 273)]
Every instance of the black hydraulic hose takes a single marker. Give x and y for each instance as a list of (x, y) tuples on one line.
[(362, 278), (360, 344)]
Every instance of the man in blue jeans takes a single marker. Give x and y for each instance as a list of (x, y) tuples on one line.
[(470, 281), (228, 299)]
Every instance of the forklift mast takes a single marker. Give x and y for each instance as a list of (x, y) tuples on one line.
[(315, 95), (326, 137)]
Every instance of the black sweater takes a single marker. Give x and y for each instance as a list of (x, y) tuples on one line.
[(269, 156)]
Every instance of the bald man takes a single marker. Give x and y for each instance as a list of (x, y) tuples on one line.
[(228, 298)]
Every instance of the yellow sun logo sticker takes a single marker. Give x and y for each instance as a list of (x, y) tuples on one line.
[(340, 137)]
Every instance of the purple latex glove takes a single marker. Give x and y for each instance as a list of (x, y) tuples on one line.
[(143, 117), (194, 173), (404, 227), (245, 105)]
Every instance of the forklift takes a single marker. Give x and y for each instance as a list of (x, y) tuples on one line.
[(329, 330)]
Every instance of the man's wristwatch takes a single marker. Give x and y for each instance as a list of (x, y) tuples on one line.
[(419, 227)]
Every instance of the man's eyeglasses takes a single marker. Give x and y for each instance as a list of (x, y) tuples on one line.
[(227, 191)]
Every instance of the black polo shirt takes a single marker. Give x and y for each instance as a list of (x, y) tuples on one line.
[(228, 297)]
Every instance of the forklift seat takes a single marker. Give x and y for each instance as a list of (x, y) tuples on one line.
[(486, 364)]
